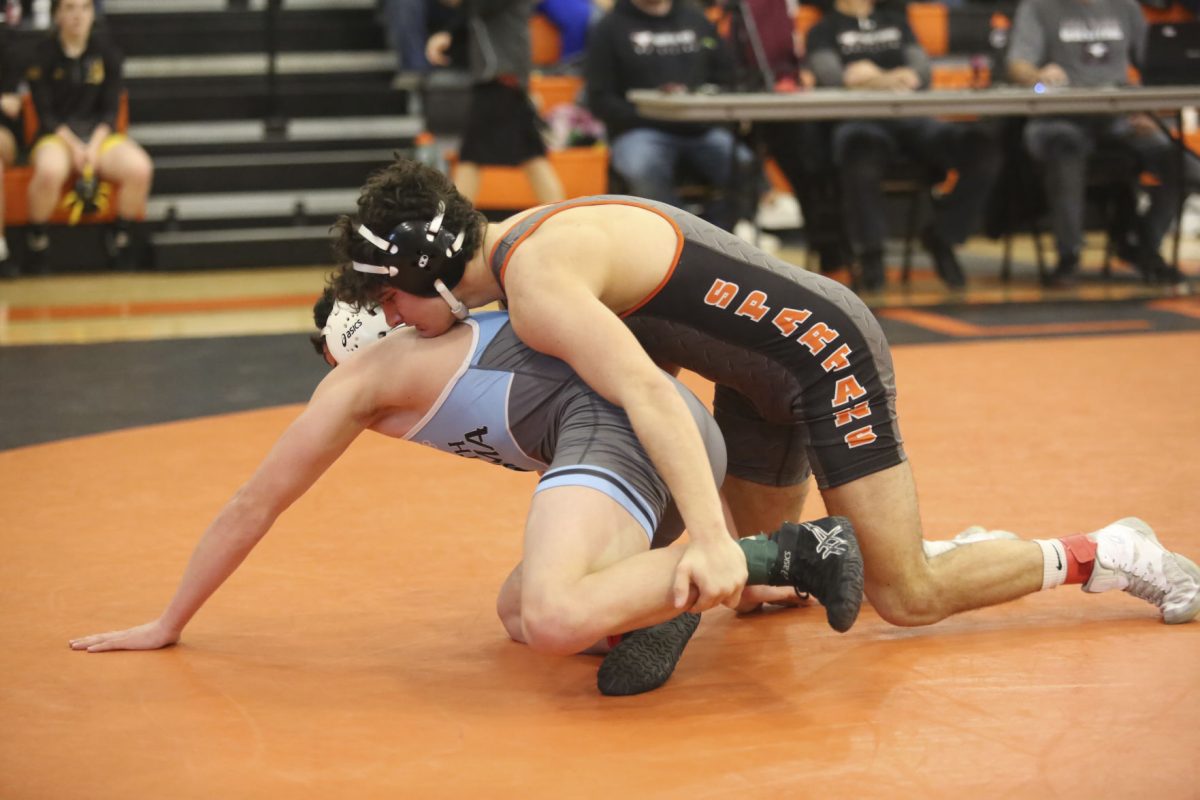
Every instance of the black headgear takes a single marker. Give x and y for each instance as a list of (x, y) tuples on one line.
[(414, 256)]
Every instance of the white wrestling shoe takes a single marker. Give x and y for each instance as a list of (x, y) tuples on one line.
[(975, 533), (1129, 557)]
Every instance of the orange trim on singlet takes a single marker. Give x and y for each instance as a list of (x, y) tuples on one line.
[(670, 271)]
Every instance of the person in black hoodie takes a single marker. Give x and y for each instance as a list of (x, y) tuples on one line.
[(76, 81), (659, 44)]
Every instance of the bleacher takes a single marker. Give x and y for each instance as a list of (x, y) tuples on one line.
[(250, 167), (252, 164)]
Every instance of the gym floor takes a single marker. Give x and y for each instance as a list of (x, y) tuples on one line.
[(356, 653)]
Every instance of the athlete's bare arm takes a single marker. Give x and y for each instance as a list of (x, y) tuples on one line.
[(554, 307), (340, 409)]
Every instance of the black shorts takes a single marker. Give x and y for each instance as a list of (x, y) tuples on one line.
[(503, 128)]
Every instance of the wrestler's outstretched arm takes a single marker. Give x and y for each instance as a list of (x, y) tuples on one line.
[(338, 412)]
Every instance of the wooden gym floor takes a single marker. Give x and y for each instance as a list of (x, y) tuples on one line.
[(356, 653)]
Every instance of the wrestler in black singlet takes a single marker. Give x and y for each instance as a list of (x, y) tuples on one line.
[(804, 375)]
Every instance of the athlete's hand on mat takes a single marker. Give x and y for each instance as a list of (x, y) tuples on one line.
[(150, 636), (718, 571)]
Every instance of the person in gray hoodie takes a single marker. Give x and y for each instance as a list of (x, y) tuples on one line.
[(1092, 43)]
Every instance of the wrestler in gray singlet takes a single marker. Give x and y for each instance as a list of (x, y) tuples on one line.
[(515, 407)]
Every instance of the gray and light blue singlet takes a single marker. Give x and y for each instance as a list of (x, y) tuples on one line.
[(515, 407)]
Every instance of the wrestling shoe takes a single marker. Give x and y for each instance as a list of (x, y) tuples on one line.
[(645, 658), (821, 558), (1129, 557), (975, 533)]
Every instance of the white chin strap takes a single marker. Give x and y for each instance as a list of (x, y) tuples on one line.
[(457, 308)]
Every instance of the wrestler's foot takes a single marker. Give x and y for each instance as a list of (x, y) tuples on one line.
[(1129, 557), (822, 558), (645, 658), (975, 533)]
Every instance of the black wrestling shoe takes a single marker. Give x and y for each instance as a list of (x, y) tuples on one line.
[(822, 558), (645, 658)]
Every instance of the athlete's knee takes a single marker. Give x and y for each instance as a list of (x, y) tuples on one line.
[(508, 609), (553, 625), (910, 601)]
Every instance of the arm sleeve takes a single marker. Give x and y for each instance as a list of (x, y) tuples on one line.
[(718, 63), (41, 93), (1028, 40), (605, 96), (916, 59), (823, 57), (1137, 35), (114, 84)]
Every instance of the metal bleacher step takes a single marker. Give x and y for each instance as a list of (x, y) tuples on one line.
[(201, 30), (245, 172), (242, 64), (180, 6), (253, 135), (322, 204), (292, 245)]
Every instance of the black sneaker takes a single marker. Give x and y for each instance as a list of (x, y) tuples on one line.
[(872, 279), (822, 558), (37, 248), (1065, 275), (945, 262), (645, 658)]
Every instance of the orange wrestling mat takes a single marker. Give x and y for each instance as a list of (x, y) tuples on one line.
[(356, 654)]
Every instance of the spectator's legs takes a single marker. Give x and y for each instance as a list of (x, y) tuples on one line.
[(975, 153), (645, 159), (126, 164), (123, 162), (1061, 147), (860, 152), (51, 162), (711, 155), (1158, 156), (8, 153), (547, 188), (466, 179), (407, 30)]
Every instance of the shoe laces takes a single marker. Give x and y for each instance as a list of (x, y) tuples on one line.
[(1145, 582)]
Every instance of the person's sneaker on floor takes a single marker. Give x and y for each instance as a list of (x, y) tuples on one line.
[(975, 533), (747, 231), (779, 211), (945, 262), (1065, 275), (1129, 557), (871, 278), (644, 659), (822, 558), (8, 265), (37, 248)]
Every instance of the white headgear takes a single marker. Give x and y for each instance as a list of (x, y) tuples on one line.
[(349, 329)]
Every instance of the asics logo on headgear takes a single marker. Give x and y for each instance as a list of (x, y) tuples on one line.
[(358, 323), (829, 543)]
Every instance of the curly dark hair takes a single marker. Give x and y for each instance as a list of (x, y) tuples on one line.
[(404, 190), (322, 308)]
